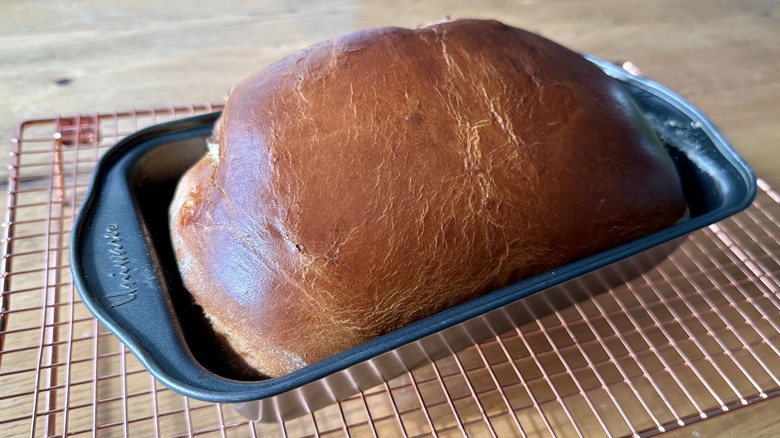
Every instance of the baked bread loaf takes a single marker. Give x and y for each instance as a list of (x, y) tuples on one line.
[(375, 179)]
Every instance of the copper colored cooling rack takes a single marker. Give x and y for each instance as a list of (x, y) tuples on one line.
[(695, 337)]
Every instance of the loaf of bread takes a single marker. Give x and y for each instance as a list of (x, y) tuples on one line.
[(373, 180)]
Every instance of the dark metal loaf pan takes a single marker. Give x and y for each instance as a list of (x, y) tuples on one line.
[(123, 266)]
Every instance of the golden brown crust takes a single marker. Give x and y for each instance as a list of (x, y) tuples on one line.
[(375, 179)]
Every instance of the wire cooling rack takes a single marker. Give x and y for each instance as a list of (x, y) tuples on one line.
[(695, 337)]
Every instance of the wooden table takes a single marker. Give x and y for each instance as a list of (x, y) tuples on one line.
[(67, 57)]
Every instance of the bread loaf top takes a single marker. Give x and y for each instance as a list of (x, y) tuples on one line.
[(375, 179)]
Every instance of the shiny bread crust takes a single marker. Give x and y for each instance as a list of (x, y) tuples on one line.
[(370, 181)]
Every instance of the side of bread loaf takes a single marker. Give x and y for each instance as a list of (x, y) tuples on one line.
[(373, 180)]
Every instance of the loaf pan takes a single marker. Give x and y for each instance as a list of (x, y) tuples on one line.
[(123, 266)]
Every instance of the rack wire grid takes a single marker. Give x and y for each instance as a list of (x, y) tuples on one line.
[(694, 337)]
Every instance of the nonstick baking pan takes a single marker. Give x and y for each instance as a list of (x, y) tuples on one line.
[(123, 266)]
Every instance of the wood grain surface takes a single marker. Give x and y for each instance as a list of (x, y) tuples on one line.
[(70, 57)]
